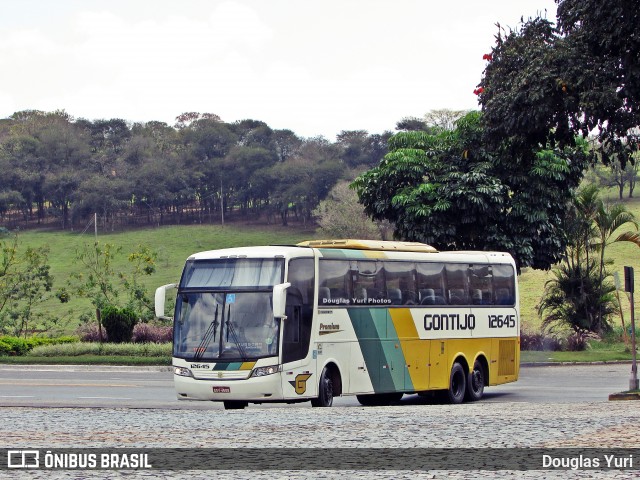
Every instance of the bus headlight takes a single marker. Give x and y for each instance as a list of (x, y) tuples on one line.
[(263, 371), (182, 371)]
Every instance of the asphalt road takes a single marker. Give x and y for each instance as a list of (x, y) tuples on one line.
[(141, 387)]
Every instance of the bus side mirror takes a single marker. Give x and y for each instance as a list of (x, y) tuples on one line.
[(280, 299), (161, 293)]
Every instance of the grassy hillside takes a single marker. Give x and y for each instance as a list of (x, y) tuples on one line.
[(175, 243)]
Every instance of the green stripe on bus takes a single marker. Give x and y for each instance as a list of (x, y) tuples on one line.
[(380, 348), (228, 366), (395, 358)]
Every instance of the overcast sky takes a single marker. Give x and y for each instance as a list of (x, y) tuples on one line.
[(313, 66)]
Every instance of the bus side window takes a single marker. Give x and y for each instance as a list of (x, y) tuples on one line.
[(333, 280), (480, 284), (395, 295), (457, 284), (503, 297), (429, 279), (504, 284), (400, 279), (368, 280)]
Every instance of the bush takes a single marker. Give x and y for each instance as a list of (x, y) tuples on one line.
[(103, 349), (119, 323), (88, 332), (5, 348), (15, 345), (577, 342), (146, 333), (22, 346), (539, 342)]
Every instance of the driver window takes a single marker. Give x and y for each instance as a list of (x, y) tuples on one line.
[(299, 310)]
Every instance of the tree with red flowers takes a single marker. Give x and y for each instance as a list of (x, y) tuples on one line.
[(545, 84)]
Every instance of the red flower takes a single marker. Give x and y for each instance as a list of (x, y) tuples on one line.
[(487, 56), (478, 90)]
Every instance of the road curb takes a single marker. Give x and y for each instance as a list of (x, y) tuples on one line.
[(570, 364), (88, 368), (625, 396)]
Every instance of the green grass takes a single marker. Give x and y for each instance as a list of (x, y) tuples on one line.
[(613, 355), (88, 360), (173, 245), (90, 353)]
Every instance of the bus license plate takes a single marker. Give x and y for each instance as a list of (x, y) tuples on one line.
[(221, 390)]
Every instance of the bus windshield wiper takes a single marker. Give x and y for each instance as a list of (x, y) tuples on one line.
[(230, 328), (209, 335)]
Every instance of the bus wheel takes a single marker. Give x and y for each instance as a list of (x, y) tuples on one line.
[(325, 390), (457, 384), (235, 405), (379, 399), (475, 382)]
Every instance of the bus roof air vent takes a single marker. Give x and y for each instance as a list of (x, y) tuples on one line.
[(370, 245)]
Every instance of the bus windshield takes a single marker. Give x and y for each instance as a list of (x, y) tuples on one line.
[(225, 326), (224, 310), (233, 272)]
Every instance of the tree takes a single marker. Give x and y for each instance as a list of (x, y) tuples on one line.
[(110, 135), (25, 283), (359, 149), (605, 37), (444, 118), (575, 297), (100, 281), (187, 118), (238, 174), (253, 133), (545, 85), (618, 176), (142, 262), (341, 216), (286, 143), (449, 190), (412, 124)]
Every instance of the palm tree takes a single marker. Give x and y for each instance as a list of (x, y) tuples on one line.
[(578, 295), (607, 221), (575, 297)]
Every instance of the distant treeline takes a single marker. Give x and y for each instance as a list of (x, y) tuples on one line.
[(59, 171)]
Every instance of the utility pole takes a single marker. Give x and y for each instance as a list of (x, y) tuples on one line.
[(628, 286), (221, 203)]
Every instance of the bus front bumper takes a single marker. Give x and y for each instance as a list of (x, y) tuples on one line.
[(254, 389)]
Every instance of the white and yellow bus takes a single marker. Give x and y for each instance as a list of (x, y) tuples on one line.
[(343, 317)]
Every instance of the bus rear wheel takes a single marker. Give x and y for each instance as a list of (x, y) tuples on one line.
[(457, 384), (325, 390), (475, 382)]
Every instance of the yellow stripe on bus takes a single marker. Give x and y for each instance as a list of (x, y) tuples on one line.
[(415, 351)]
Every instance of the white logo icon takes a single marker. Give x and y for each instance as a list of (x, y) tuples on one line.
[(23, 459)]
